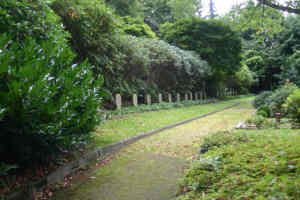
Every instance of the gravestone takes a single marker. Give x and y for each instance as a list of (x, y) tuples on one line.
[(119, 101), (178, 97), (160, 98), (170, 98), (135, 99), (148, 99)]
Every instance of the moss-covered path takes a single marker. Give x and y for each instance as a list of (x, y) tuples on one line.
[(150, 169)]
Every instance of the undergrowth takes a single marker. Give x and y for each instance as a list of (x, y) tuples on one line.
[(265, 165)]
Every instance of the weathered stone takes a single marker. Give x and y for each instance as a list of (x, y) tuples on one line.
[(160, 100), (178, 97), (170, 98), (119, 101), (148, 99), (135, 99), (191, 96), (186, 97)]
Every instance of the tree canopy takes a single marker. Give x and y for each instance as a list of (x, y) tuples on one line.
[(213, 40)]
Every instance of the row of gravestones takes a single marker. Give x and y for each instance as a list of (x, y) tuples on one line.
[(187, 96), (226, 92)]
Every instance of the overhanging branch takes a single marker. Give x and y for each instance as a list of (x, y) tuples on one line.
[(280, 7)]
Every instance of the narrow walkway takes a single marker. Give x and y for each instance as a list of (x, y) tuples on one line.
[(151, 168)]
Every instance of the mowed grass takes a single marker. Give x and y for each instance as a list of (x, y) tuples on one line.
[(132, 125)]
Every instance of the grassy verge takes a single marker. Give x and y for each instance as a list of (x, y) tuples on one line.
[(119, 129), (252, 164)]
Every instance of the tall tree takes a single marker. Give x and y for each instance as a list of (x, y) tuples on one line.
[(199, 8), (212, 10)]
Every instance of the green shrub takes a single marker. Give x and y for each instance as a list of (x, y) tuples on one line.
[(279, 96), (264, 110), (260, 99), (47, 103), (220, 139), (258, 120), (262, 113), (136, 27), (292, 106)]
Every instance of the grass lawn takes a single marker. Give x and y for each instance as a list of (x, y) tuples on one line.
[(119, 129), (247, 164)]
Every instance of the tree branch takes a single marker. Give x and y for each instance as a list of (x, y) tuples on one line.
[(280, 7)]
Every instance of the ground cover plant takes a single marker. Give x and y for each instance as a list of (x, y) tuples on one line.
[(263, 165)]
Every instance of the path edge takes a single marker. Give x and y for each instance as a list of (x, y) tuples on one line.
[(98, 153)]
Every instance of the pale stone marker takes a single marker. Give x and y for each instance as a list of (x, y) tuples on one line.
[(135, 100), (119, 101), (170, 98), (186, 97), (196, 96), (191, 96), (160, 98), (178, 97), (148, 98)]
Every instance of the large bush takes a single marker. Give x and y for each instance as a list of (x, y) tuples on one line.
[(260, 99), (214, 41), (292, 106), (272, 102), (47, 102), (129, 64), (279, 96)]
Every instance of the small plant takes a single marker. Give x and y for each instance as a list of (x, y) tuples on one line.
[(220, 139), (258, 120), (278, 98), (262, 113)]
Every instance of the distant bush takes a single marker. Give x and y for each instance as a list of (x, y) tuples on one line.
[(136, 27), (292, 106), (279, 96), (47, 103), (260, 99)]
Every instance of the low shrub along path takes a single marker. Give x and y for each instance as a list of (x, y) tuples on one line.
[(151, 168)]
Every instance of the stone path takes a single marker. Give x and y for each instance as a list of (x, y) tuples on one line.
[(151, 168)]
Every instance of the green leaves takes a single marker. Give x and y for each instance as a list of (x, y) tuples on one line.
[(47, 103), (214, 41)]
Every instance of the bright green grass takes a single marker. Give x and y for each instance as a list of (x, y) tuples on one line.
[(257, 165), (119, 129)]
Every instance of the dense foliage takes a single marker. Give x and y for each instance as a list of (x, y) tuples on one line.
[(273, 102), (214, 41), (47, 102), (130, 64), (292, 106)]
